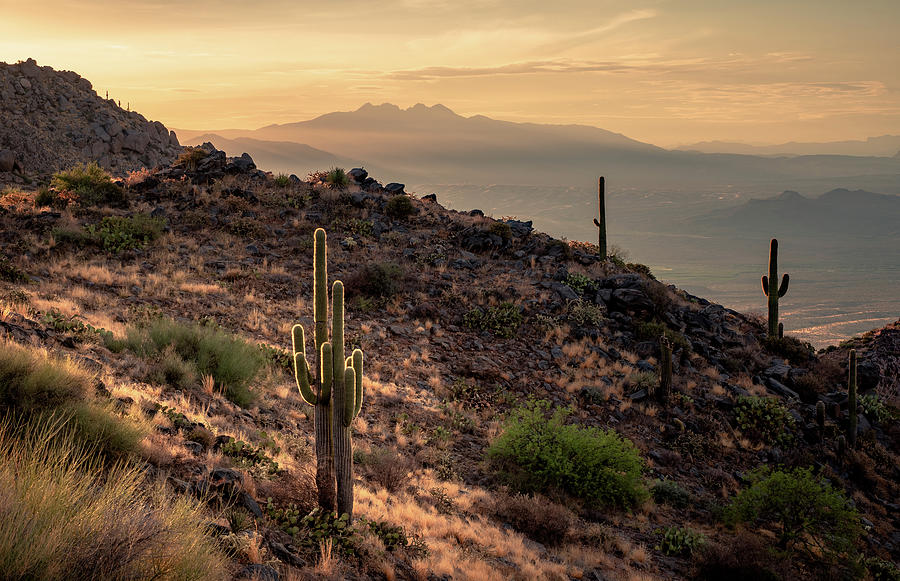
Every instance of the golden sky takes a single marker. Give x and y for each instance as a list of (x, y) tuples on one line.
[(664, 71)]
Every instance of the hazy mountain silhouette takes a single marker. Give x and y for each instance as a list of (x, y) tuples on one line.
[(882, 146), (435, 145), (840, 212)]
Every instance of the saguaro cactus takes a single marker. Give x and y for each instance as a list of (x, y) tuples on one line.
[(601, 223), (771, 288), (851, 403), (665, 370), (330, 384), (347, 403), (820, 419)]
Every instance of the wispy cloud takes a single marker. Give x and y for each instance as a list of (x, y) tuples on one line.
[(523, 68)]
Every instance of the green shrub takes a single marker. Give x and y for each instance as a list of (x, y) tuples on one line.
[(205, 350), (10, 272), (502, 320), (881, 570), (380, 279), (582, 313), (399, 207), (647, 380), (190, 157), (337, 178), (282, 180), (578, 282), (677, 541), (789, 348), (63, 517), (538, 454), (807, 511), (501, 229), (640, 269), (764, 419), (653, 330), (114, 234), (45, 197), (90, 184), (671, 493)]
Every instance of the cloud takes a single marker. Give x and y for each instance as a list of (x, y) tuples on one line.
[(523, 68), (579, 38)]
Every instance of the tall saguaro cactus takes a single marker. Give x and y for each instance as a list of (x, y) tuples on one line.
[(331, 381), (601, 223), (771, 288), (851, 403), (665, 370)]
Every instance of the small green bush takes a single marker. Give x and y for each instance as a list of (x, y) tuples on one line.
[(282, 180), (399, 207), (789, 348), (807, 511), (671, 493), (116, 234), (677, 541), (380, 279), (9, 272), (204, 350), (190, 157), (501, 229), (578, 282), (91, 184), (582, 313), (653, 330), (540, 454), (502, 320), (882, 570), (337, 178), (764, 419)]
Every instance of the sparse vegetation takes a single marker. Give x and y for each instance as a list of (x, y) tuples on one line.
[(62, 516), (88, 185), (502, 320), (35, 387), (183, 352)]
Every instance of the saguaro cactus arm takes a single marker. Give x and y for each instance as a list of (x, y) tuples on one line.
[(320, 287), (301, 366), (358, 387)]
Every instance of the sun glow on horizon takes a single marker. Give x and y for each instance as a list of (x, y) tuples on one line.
[(662, 72)]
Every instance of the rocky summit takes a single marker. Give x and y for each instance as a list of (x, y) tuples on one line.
[(50, 120)]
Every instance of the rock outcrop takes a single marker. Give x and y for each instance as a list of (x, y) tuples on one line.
[(50, 120)]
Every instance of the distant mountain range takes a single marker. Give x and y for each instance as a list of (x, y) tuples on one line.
[(839, 213), (882, 146), (431, 145)]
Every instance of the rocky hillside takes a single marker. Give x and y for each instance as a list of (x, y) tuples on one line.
[(50, 120), (463, 320)]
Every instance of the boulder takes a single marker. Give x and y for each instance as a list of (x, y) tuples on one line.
[(358, 174), (394, 188), (137, 141)]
